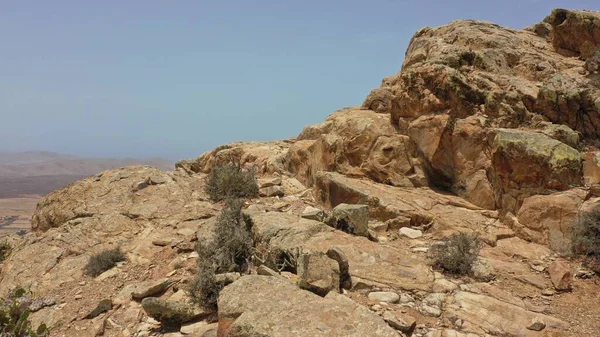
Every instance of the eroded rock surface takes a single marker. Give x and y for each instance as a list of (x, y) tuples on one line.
[(270, 306), (485, 130)]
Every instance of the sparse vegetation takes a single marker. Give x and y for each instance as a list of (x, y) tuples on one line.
[(5, 249), (104, 261), (586, 234), (204, 289), (229, 250), (231, 182), (457, 253), (277, 258), (14, 316)]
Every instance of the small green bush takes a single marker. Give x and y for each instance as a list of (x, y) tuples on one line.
[(456, 254), (586, 234), (14, 316), (104, 261), (230, 250), (231, 182)]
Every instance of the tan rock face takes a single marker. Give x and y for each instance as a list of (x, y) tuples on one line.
[(591, 168), (365, 259), (561, 275), (575, 32), (548, 218), (495, 316), (137, 192), (318, 273), (357, 143), (526, 163), (265, 157), (270, 306)]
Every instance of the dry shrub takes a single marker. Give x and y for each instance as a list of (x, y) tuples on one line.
[(231, 182), (456, 254), (586, 234), (104, 261), (5, 250), (229, 250)]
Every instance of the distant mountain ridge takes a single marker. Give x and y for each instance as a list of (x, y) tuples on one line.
[(28, 164), (39, 173)]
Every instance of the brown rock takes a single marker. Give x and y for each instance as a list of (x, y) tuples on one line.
[(269, 306), (536, 325), (103, 306), (272, 191), (575, 32), (335, 253), (150, 288), (561, 275), (525, 161), (399, 321), (318, 273), (353, 219), (548, 218), (591, 167), (359, 143), (291, 234), (171, 312), (495, 316), (266, 157)]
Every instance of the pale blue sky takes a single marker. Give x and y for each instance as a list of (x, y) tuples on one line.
[(176, 78)]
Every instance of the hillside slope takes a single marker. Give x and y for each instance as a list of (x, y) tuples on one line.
[(485, 130)]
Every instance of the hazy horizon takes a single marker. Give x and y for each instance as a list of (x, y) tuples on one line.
[(158, 79)]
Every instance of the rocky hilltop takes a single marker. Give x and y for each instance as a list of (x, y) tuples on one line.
[(485, 130)]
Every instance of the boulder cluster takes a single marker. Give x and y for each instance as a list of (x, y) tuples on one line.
[(486, 130)]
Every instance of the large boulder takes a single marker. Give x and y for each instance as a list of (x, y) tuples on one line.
[(526, 163), (360, 258), (269, 306), (566, 99), (265, 157), (422, 206), (547, 219), (318, 273), (575, 33), (171, 312), (591, 167), (353, 219), (358, 143)]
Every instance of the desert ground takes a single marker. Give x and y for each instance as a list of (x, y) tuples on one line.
[(15, 213)]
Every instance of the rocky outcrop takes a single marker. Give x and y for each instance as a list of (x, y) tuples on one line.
[(575, 33), (356, 143), (270, 306), (485, 130), (488, 315), (547, 219), (265, 157), (526, 163), (134, 192), (367, 261)]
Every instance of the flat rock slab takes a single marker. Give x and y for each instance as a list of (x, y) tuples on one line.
[(367, 260), (384, 296), (171, 312), (411, 233), (142, 290), (269, 306), (497, 317)]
